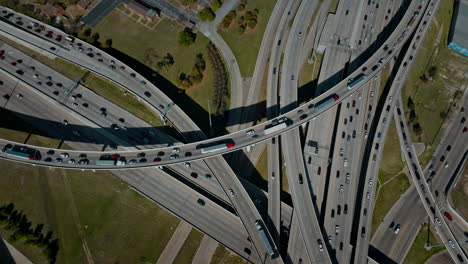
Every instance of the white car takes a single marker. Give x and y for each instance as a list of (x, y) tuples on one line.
[(64, 155), (345, 162), (341, 188), (390, 99), (175, 150), (231, 192), (250, 132), (348, 177), (446, 165), (370, 182), (337, 229), (320, 244), (187, 164), (368, 196), (438, 221), (452, 245)]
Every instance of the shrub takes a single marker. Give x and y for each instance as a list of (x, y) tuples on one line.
[(187, 37), (216, 4), (206, 14)]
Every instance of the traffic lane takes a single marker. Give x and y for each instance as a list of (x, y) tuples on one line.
[(241, 202), (288, 94), (7, 87), (302, 199), (274, 192), (352, 145), (296, 248), (409, 213), (80, 98)]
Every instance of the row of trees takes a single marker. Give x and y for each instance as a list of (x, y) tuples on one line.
[(431, 72), (154, 60), (413, 118), (196, 76), (246, 20), (221, 91), (22, 229), (249, 20), (93, 38)]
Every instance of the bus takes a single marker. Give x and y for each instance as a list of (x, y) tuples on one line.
[(353, 82), (24, 152)]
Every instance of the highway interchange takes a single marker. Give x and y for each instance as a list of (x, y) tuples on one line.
[(317, 234)]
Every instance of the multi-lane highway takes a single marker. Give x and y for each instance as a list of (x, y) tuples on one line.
[(240, 139), (117, 141)]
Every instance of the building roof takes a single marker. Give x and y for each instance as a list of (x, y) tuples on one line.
[(137, 7), (52, 10), (83, 4), (460, 30)]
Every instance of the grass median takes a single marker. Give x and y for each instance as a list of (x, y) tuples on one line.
[(388, 195), (418, 254), (189, 248), (224, 256)]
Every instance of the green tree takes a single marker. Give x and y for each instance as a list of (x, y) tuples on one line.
[(432, 71), (95, 37), (187, 37), (241, 29), (206, 14), (417, 129), (216, 4), (240, 7), (87, 32), (108, 43), (410, 103)]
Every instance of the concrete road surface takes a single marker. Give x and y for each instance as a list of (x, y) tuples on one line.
[(176, 242)]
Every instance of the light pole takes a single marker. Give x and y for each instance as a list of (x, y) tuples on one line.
[(209, 111)]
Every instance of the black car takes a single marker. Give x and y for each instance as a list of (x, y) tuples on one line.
[(392, 224), (20, 72), (148, 94), (160, 154), (194, 174), (201, 202), (141, 155), (301, 180)]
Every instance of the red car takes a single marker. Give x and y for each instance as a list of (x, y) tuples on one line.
[(448, 216), (2, 52), (364, 69), (465, 129), (157, 159)]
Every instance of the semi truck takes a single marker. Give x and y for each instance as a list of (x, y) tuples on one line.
[(326, 102), (265, 239), (276, 125), (217, 147), (353, 82), (110, 160)]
